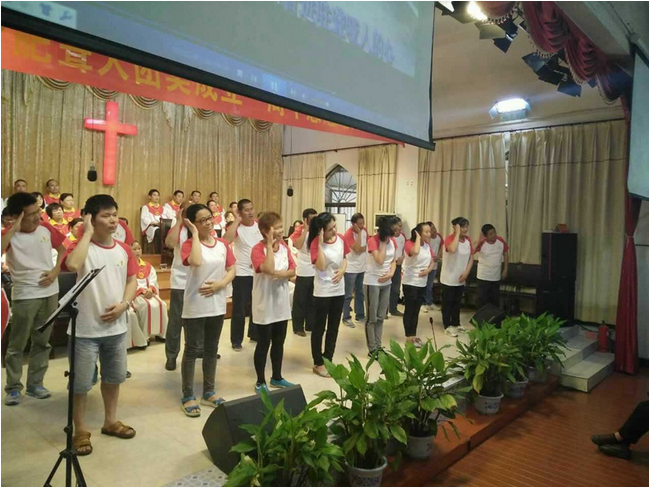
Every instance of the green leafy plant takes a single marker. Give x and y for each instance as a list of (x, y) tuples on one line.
[(287, 450), (426, 373), (366, 415), (539, 339), (485, 359), (516, 336)]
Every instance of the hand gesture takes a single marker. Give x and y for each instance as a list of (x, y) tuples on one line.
[(463, 278), (113, 312), (386, 277), (179, 214), (208, 288), (148, 294), (457, 229), (338, 275), (48, 277), (356, 229), (190, 227), (269, 240), (88, 228), (321, 236), (417, 236), (16, 225), (504, 275), (423, 273)]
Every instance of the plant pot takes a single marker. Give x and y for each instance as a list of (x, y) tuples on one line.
[(420, 447), (487, 405), (536, 376), (367, 477), (516, 389)]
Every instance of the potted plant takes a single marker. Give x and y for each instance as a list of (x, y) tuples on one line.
[(287, 450), (516, 336), (426, 373), (485, 364), (365, 416), (541, 344)]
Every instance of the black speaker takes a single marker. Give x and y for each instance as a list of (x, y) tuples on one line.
[(559, 256), (491, 314), (221, 431), (558, 298)]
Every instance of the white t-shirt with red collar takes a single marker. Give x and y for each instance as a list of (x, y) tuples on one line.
[(415, 264), (334, 253), (374, 270), (356, 261), (435, 245), (455, 262), (490, 259), (305, 267), (178, 269), (214, 263), (270, 297), (105, 290), (245, 239), (29, 255)]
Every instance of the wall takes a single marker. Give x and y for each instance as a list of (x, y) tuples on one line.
[(642, 256)]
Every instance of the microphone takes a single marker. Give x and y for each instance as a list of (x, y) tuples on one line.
[(92, 173), (289, 192)]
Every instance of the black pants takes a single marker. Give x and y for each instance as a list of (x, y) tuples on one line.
[(488, 293), (413, 297), (451, 299), (274, 334), (241, 307), (637, 424), (302, 314), (327, 314), (395, 290)]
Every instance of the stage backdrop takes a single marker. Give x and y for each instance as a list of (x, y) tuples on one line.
[(177, 147)]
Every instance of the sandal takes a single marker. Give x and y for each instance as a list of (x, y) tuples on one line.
[(190, 410), (81, 443), (321, 371), (211, 403), (118, 429)]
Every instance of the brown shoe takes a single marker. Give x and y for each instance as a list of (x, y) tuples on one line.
[(321, 371), (301, 333)]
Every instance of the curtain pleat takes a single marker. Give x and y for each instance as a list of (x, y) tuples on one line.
[(377, 181), (573, 175), (306, 175), (43, 137)]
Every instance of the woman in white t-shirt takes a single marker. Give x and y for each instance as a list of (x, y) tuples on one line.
[(329, 255), (455, 271), (418, 263), (273, 266), (211, 269), (381, 264)]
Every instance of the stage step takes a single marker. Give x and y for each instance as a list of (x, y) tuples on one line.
[(587, 374), (579, 348)]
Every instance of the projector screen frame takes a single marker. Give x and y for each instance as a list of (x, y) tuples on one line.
[(38, 27), (637, 53)]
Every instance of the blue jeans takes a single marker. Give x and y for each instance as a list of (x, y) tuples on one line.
[(111, 352), (428, 297), (354, 283)]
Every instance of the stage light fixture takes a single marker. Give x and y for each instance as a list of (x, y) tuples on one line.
[(569, 87), (489, 31), (459, 12), (535, 61), (503, 44), (474, 10)]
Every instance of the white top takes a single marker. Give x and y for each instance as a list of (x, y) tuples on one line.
[(146, 277), (435, 244), (105, 290), (29, 255), (334, 253), (356, 262), (271, 300), (178, 269), (168, 212), (415, 264), (374, 270), (215, 260), (455, 263), (305, 267), (246, 238), (490, 259), (146, 219), (401, 243)]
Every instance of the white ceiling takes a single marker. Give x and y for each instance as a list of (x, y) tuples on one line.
[(470, 75)]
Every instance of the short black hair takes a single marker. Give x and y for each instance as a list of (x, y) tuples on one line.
[(242, 202), (196, 191), (461, 221), (64, 196), (210, 201), (17, 202), (48, 181), (357, 216), (419, 229), (39, 194), (385, 225), (307, 212), (97, 203), (486, 228), (214, 193), (232, 203), (52, 207), (179, 191), (152, 191), (20, 179), (317, 224), (74, 222)]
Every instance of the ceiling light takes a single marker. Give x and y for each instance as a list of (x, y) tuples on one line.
[(474, 11), (511, 105)]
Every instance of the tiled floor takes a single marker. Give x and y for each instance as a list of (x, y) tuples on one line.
[(168, 445)]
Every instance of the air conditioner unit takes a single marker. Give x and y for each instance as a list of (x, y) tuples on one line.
[(379, 215)]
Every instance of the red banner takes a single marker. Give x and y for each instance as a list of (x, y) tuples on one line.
[(38, 56)]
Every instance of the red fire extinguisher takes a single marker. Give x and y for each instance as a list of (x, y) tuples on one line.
[(602, 338)]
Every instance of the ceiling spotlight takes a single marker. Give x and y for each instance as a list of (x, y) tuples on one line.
[(503, 43), (475, 12), (510, 28), (510, 109), (569, 87)]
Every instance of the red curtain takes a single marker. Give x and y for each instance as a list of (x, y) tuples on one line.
[(626, 323)]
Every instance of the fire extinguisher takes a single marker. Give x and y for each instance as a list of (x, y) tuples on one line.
[(602, 338)]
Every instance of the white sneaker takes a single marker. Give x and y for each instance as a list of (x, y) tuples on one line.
[(424, 309), (450, 331), (434, 308), (461, 330)]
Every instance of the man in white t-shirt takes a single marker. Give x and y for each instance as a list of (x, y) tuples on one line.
[(436, 241), (455, 271), (102, 323), (395, 291), (28, 246), (302, 312), (491, 252), (356, 238), (244, 234)]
